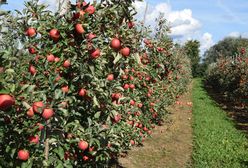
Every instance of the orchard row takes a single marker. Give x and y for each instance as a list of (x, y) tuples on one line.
[(87, 86), (229, 76)]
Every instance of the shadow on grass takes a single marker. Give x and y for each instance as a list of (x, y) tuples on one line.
[(114, 163), (238, 114)]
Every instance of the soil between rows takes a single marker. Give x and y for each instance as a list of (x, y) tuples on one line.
[(170, 145)]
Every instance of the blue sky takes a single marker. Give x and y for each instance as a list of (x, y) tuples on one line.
[(220, 18), (205, 20)]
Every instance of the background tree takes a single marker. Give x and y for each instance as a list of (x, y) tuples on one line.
[(192, 50), (228, 47)]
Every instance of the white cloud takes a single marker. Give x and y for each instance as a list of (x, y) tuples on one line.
[(234, 34), (238, 34), (206, 41), (181, 22)]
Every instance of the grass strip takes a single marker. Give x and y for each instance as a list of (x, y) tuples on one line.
[(217, 143)]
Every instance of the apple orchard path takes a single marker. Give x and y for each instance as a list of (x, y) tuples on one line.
[(170, 145)]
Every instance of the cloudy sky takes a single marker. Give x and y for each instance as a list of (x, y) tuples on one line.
[(205, 20)]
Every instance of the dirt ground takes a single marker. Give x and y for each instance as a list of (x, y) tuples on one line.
[(170, 145)]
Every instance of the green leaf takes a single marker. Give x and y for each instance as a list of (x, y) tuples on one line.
[(95, 101), (4, 92), (120, 88), (31, 88), (65, 112), (137, 58), (58, 93), (26, 165), (60, 152), (24, 87), (92, 69), (119, 56), (10, 71), (59, 164), (68, 165), (25, 104), (97, 115), (13, 151)]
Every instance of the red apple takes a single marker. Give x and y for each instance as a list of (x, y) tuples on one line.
[(31, 32), (23, 155), (79, 28), (91, 36), (91, 149), (85, 158), (50, 58), (31, 50), (32, 70), (132, 102), (140, 105), (117, 118), (47, 113), (30, 112), (34, 139), (90, 9), (66, 64), (6, 101), (56, 59), (95, 53), (115, 44), (124, 77), (132, 142), (54, 34), (160, 49), (82, 92), (131, 86), (37, 106), (83, 145), (145, 129), (110, 77), (126, 86), (125, 51), (65, 89), (116, 96)]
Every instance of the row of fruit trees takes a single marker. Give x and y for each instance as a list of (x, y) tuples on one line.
[(229, 76), (79, 89)]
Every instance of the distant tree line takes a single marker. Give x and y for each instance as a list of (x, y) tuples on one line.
[(228, 47)]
